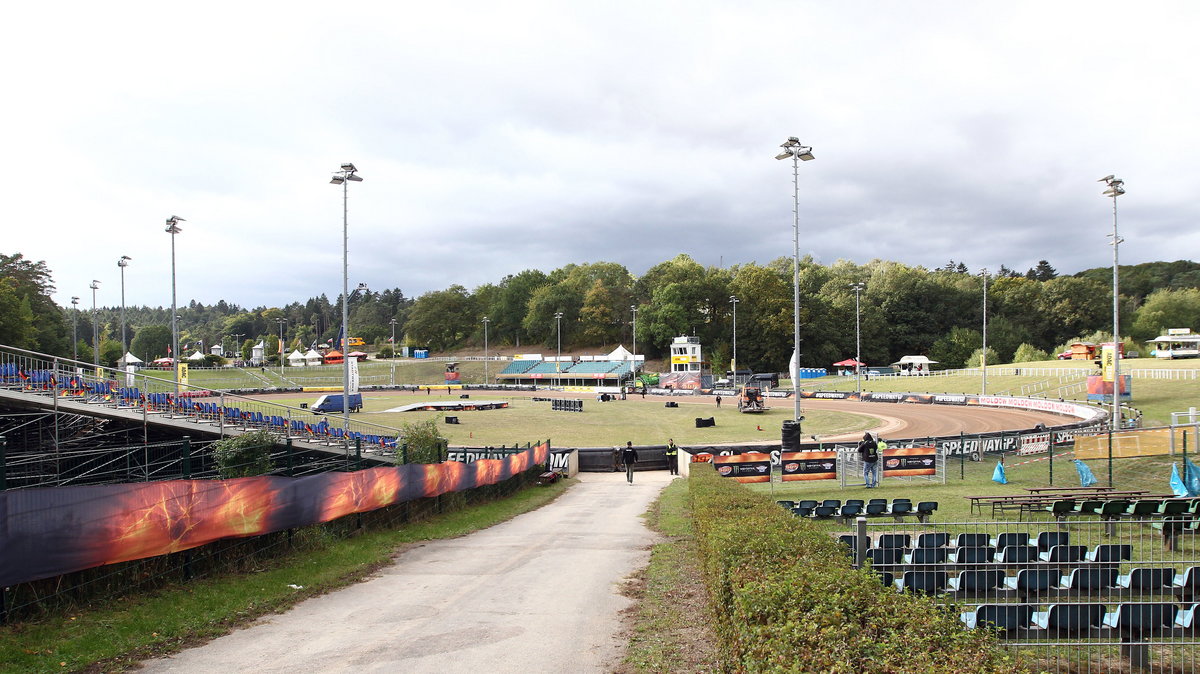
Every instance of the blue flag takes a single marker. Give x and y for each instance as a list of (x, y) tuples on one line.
[(1086, 479), (1191, 477), (1177, 486), (998, 474)]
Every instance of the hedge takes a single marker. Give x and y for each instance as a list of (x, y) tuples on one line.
[(787, 598)]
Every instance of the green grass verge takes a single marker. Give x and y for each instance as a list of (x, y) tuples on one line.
[(672, 624), (113, 635)]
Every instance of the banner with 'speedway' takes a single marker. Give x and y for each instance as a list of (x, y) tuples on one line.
[(52, 531)]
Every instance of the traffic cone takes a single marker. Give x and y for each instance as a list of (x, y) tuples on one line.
[(472, 434), (760, 428)]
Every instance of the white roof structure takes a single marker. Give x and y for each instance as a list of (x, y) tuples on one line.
[(313, 358), (295, 355), (129, 359), (914, 360), (621, 353), (196, 356)]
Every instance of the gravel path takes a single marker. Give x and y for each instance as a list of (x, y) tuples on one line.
[(539, 593)]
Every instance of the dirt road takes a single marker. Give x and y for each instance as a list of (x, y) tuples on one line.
[(539, 593)]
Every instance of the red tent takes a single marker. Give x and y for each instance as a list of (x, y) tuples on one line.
[(849, 362)]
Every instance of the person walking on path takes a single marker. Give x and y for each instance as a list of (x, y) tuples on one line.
[(629, 457), (672, 457), (868, 450)]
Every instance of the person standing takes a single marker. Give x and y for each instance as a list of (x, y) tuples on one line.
[(718, 401), (672, 457), (629, 457), (868, 450)]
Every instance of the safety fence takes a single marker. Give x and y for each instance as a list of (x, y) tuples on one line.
[(104, 536), (1078, 596)]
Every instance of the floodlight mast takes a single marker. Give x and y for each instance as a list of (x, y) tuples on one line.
[(798, 153), (1116, 187), (343, 177)]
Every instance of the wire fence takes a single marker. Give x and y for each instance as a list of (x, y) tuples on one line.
[(1065, 594)]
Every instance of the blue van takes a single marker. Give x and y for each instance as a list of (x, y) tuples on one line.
[(328, 404)]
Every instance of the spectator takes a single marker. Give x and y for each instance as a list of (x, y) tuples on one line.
[(629, 458), (672, 457), (868, 449)]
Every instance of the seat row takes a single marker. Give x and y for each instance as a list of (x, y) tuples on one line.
[(1043, 541), (1011, 555), (1118, 508), (1087, 620), (1077, 581), (834, 508)]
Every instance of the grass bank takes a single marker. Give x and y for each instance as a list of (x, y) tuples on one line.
[(113, 635)]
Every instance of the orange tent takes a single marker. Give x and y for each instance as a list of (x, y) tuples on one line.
[(333, 357)]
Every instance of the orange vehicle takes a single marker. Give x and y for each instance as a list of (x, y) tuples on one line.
[(750, 400)]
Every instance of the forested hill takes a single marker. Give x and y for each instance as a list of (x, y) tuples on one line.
[(902, 310)]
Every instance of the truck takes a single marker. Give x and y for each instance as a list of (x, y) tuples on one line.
[(750, 400), (332, 403)]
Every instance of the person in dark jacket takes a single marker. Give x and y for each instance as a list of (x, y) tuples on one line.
[(868, 449), (672, 457), (629, 457)]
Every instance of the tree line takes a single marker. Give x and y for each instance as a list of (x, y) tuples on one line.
[(903, 310)]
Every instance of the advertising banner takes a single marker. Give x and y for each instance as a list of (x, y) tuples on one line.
[(50, 532), (829, 395), (883, 397), (1035, 443), (902, 461), (809, 466), (1108, 361), (748, 467)]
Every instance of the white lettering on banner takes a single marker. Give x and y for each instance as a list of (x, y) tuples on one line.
[(949, 399), (560, 460), (1056, 406)]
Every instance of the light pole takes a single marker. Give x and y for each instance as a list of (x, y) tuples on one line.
[(558, 360), (486, 379), (1116, 187), (123, 263), (983, 353), (95, 327), (797, 152), (633, 308), (75, 329), (393, 324), (734, 300), (857, 288), (173, 229), (281, 322), (237, 344), (344, 177)]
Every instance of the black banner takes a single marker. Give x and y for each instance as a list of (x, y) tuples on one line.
[(884, 397)]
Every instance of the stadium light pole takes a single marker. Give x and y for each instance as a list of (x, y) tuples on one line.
[(983, 353), (237, 345), (558, 359), (173, 229), (123, 263), (281, 321), (797, 153), (95, 326), (75, 329), (734, 301), (393, 324), (486, 379), (344, 177), (633, 368), (857, 288), (1116, 187)]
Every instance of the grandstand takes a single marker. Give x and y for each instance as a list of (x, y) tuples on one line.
[(574, 373)]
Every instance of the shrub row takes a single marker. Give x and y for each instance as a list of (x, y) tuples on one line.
[(787, 598)]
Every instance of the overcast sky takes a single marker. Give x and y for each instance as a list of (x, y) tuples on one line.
[(496, 137)]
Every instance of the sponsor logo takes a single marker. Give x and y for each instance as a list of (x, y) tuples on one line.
[(725, 470)]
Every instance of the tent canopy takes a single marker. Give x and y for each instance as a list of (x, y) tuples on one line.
[(196, 356), (130, 359), (849, 362)]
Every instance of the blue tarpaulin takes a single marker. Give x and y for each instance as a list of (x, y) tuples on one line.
[(998, 474), (1086, 479)]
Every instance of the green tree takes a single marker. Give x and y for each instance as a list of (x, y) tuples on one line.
[(46, 327), (17, 327), (953, 350), (244, 455), (150, 342), (442, 319), (1028, 353), (976, 358), (423, 440), (110, 352), (1165, 309)]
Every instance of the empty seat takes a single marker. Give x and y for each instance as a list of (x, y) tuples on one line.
[(1010, 538), (831, 503), (874, 509), (926, 556), (925, 582), (1188, 582), (787, 504), (1113, 509), (885, 556), (1147, 579), (887, 578), (975, 555), (933, 540), (972, 540), (1070, 618), (802, 511), (927, 507), (1005, 617), (894, 541), (1144, 508), (824, 512), (1186, 618), (850, 510), (976, 581), (1136, 618), (1060, 509), (901, 500), (877, 500), (1175, 507), (808, 503), (901, 508), (1110, 552), (1032, 581), (1067, 554), (848, 539), (854, 501), (1049, 539), (1017, 554)]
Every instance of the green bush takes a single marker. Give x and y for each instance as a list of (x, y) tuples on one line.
[(244, 455), (787, 599), (424, 441)]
